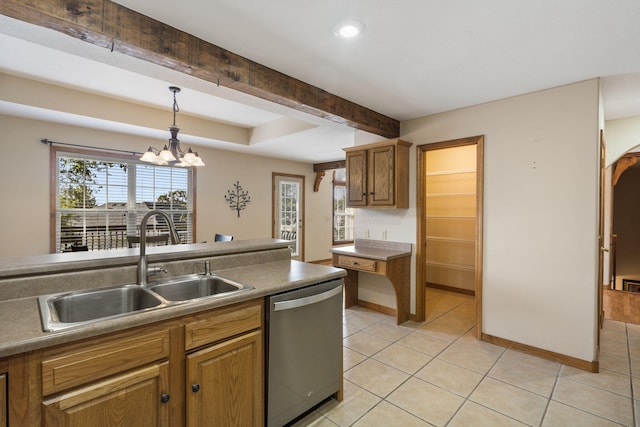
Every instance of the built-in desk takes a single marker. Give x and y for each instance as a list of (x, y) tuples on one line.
[(389, 259)]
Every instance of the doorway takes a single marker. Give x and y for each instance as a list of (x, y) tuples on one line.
[(622, 295), (288, 211), (624, 225), (450, 177)]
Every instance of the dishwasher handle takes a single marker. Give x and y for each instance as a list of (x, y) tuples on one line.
[(312, 299)]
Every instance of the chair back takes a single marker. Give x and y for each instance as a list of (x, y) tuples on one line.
[(75, 247), (222, 238), (160, 239)]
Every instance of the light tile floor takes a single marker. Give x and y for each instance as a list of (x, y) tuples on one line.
[(436, 373)]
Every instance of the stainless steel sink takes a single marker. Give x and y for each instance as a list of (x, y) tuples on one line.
[(68, 309), (196, 286)]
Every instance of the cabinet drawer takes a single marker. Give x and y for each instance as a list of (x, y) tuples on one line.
[(223, 323), (356, 263), (102, 360)]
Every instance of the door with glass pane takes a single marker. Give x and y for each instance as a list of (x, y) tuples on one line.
[(288, 211)]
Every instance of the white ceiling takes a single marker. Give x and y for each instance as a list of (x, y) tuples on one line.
[(415, 58)]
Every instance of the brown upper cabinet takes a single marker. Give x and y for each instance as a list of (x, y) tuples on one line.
[(378, 174)]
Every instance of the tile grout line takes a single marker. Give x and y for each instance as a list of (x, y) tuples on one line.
[(633, 406), (433, 358), (367, 357), (553, 390), (384, 399), (484, 376), (465, 399), (468, 398), (559, 377)]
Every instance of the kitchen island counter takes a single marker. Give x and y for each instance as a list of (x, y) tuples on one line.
[(264, 264)]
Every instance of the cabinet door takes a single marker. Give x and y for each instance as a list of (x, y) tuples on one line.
[(381, 176), (225, 384), (356, 164), (133, 399), (3, 400)]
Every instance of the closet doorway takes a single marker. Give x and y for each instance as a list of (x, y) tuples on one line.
[(449, 204)]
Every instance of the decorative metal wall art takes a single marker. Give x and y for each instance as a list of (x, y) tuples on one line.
[(238, 199)]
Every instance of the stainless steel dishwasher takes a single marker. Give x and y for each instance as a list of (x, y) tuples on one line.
[(304, 349)]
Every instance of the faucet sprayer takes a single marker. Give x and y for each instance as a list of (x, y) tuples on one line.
[(142, 262)]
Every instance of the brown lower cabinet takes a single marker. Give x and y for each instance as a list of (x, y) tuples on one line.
[(130, 399), (146, 376), (3, 400), (229, 367)]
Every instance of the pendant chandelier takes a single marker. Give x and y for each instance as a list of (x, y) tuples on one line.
[(173, 154)]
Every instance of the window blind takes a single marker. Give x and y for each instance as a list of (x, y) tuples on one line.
[(101, 200)]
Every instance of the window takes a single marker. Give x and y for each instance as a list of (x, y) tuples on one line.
[(100, 200), (342, 215)]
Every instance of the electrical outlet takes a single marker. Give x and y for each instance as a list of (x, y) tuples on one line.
[(366, 233), (384, 235)]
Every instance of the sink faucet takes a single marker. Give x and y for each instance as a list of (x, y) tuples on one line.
[(143, 270)]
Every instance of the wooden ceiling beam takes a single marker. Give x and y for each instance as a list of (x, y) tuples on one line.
[(321, 168), (338, 164), (112, 26)]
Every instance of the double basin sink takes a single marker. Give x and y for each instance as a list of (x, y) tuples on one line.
[(69, 309)]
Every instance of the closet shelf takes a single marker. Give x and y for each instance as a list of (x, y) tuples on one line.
[(449, 265), (450, 172), (450, 239), (451, 217), (450, 194)]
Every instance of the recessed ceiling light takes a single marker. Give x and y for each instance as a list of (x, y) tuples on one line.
[(349, 29)]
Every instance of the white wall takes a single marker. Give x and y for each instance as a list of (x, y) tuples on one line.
[(540, 213), (621, 135), (27, 185)]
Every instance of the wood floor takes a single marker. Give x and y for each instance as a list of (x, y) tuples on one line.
[(621, 306)]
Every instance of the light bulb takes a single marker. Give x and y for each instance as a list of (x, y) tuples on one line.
[(198, 161), (189, 157), (149, 156), (166, 156), (349, 29)]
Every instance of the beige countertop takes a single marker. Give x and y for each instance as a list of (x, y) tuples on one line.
[(382, 250), (22, 330), (75, 261)]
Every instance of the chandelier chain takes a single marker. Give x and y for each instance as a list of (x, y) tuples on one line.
[(175, 108)]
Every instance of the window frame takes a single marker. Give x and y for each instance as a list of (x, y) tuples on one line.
[(54, 151), (339, 183)]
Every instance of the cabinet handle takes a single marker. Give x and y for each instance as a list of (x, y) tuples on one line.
[(195, 388), (372, 193), (164, 397), (364, 194)]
